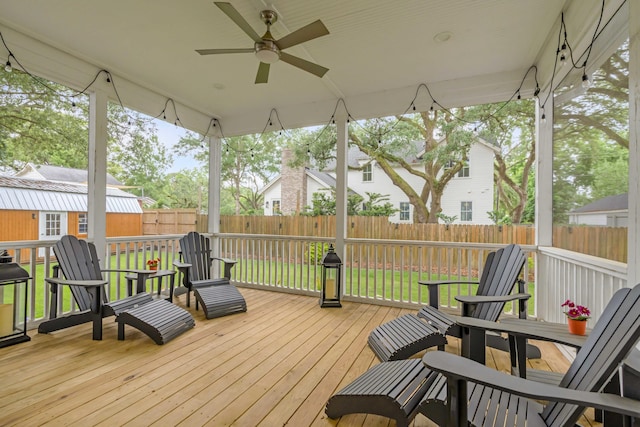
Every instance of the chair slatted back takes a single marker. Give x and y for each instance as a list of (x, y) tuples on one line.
[(78, 260), (196, 250), (498, 278), (613, 337)]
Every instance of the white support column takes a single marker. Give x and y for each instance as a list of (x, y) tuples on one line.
[(544, 196), (633, 258), (213, 205), (97, 171), (341, 187), (544, 175)]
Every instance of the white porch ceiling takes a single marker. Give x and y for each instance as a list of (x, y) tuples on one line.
[(378, 53)]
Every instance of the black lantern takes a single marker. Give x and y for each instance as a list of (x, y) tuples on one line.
[(13, 303), (331, 278)]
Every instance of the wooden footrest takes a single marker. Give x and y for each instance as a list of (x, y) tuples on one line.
[(390, 389), (403, 337), (220, 300), (159, 319)]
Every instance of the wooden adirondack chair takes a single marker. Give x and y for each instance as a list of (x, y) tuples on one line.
[(402, 389), (406, 335), (217, 296), (79, 264), (468, 393)]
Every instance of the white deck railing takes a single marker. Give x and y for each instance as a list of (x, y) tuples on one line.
[(584, 279), (380, 272)]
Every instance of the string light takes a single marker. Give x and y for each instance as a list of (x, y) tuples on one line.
[(563, 52)]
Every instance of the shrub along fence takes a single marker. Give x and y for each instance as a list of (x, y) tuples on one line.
[(603, 242)]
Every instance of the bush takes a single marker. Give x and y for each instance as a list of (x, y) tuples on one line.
[(315, 252)]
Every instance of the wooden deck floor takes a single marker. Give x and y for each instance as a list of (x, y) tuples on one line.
[(276, 364)]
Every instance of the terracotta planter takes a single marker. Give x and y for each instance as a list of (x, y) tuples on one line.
[(577, 327), (153, 267)]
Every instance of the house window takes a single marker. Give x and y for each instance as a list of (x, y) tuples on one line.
[(464, 172), (466, 211), (53, 224), (276, 207), (367, 173), (83, 223), (405, 211)]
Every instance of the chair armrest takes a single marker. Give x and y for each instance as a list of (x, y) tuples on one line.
[(469, 302), (228, 265), (447, 282), (524, 328), (459, 368), (479, 299), (83, 283), (434, 298), (181, 265)]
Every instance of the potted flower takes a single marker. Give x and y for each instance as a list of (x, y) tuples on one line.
[(577, 316), (153, 263)]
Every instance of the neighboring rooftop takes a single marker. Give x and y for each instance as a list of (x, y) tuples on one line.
[(60, 174), (41, 195), (610, 203)]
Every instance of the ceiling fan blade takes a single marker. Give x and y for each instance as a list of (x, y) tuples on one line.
[(235, 16), (217, 51), (263, 73), (309, 32), (303, 64)]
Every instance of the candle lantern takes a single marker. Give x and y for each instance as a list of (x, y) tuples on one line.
[(13, 302), (331, 279)]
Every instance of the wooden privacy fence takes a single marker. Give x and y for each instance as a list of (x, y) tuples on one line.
[(604, 242)]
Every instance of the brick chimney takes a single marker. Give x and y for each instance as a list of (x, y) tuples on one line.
[(293, 185)]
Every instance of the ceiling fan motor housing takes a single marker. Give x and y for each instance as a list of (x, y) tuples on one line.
[(267, 51)]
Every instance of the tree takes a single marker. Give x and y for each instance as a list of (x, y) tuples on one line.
[(136, 157), (591, 138), (324, 203), (444, 142), (248, 162), (39, 124), (44, 123), (185, 189), (511, 127)]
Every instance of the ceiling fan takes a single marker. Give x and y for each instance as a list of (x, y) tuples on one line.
[(266, 48)]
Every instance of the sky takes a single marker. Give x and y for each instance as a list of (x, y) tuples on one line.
[(169, 135)]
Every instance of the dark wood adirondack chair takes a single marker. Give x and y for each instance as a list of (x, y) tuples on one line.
[(217, 296), (78, 262), (468, 393), (402, 389), (406, 335)]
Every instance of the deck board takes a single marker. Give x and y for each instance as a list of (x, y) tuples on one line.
[(276, 364)]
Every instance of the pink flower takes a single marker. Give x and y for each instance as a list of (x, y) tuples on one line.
[(576, 312)]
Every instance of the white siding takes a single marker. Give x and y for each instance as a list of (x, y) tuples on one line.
[(274, 192), (477, 188)]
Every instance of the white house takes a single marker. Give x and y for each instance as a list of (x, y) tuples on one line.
[(611, 211), (468, 197)]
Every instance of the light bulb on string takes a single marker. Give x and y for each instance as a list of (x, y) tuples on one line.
[(543, 118), (8, 68), (519, 96), (586, 83), (563, 54)]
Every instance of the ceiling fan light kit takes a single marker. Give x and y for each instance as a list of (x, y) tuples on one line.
[(266, 48), (267, 52)]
